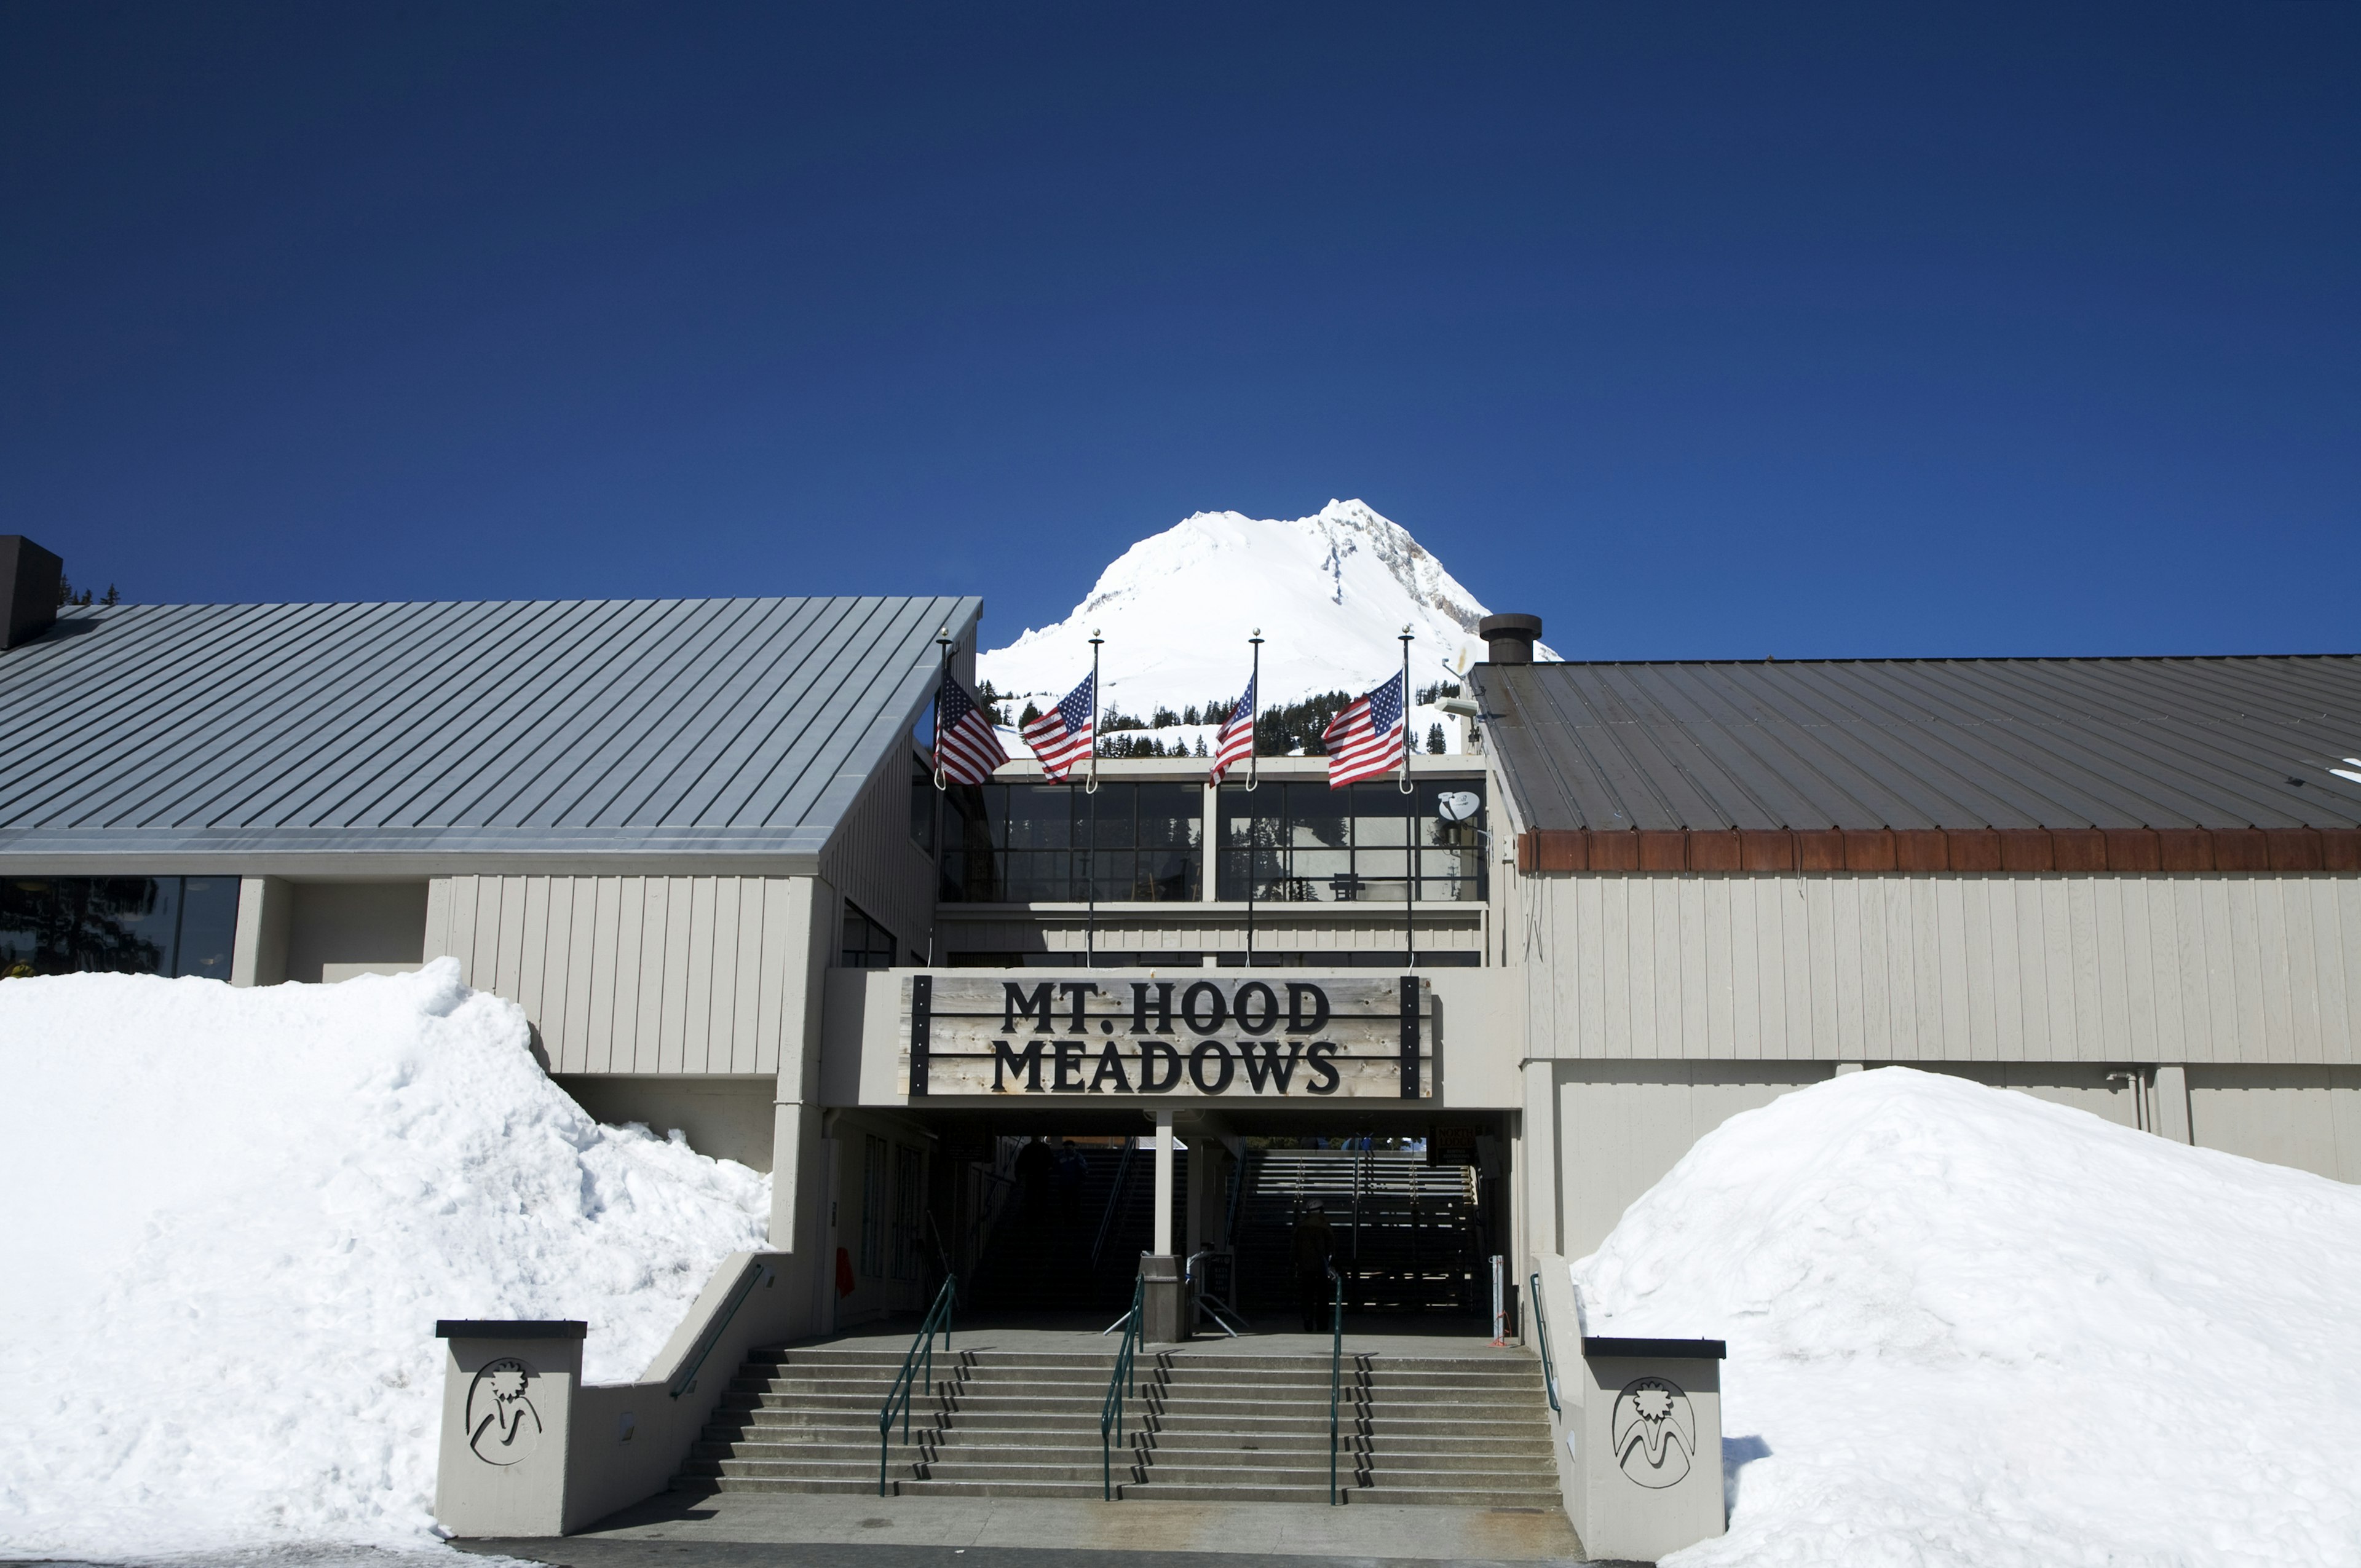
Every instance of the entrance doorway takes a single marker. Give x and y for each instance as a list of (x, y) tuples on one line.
[(1044, 1216)]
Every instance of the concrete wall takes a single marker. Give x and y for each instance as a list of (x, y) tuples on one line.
[(338, 930), (728, 1118), (632, 975), (2253, 970)]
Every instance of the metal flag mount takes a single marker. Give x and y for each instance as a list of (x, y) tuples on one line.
[(1408, 636), (1254, 695), (943, 641), (1090, 783), (1409, 823)]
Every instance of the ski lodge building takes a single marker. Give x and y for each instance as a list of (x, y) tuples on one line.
[(700, 843)]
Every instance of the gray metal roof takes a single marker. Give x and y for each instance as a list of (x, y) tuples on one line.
[(677, 725), (1916, 743)]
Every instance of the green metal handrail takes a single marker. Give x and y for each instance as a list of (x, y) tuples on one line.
[(1336, 1374), (1111, 1409), (906, 1384), (1549, 1367)]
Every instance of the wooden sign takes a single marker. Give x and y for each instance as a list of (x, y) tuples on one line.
[(1347, 1037)]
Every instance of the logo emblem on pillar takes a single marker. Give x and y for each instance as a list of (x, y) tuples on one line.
[(1655, 1432), (503, 1425)]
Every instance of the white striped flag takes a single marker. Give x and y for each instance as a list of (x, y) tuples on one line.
[(966, 747), (1062, 735), (1237, 742), (1369, 737)]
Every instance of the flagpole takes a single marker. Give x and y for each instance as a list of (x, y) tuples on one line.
[(1253, 697), (943, 641), (1091, 790), (1409, 823)]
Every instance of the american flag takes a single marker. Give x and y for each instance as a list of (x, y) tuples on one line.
[(967, 748), (1237, 738), (1062, 735), (1367, 738)]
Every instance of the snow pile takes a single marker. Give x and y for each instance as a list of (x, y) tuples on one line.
[(1969, 1327), (233, 1217), (1330, 593)]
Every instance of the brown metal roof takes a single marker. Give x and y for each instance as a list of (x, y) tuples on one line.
[(1929, 743)]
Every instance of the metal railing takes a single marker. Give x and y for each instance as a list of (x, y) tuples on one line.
[(1111, 1409), (1336, 1374), (756, 1274), (906, 1383), (1540, 1331)]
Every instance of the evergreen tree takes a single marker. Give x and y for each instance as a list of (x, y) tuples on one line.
[(1435, 739)]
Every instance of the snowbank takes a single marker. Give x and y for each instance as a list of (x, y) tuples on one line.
[(1968, 1327), (232, 1218)]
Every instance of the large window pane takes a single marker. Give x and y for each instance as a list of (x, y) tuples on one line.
[(208, 926), (1304, 842), (129, 925), (1054, 843)]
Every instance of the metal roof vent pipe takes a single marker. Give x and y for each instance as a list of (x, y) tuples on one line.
[(1509, 637), (29, 579)]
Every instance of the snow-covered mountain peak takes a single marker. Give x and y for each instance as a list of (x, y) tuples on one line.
[(1330, 594)]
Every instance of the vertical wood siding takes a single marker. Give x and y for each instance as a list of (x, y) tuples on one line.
[(2253, 970), (630, 974), (873, 861)]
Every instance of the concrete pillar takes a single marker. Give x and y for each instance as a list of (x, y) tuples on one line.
[(2172, 1103), (1163, 1246), (1537, 1148), (259, 952)]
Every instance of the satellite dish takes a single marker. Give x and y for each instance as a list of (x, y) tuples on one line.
[(1458, 805)]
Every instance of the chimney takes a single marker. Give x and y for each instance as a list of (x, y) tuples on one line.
[(29, 577), (1510, 637)]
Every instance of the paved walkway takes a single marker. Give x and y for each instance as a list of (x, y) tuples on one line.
[(741, 1530)]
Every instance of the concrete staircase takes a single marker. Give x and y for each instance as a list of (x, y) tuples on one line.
[(1205, 1426)]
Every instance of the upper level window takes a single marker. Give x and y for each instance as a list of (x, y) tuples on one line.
[(1045, 843), (867, 945), (1300, 841), (168, 925)]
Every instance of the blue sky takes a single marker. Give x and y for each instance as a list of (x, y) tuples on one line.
[(1701, 331)]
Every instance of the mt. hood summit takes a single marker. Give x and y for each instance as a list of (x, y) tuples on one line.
[(1330, 593)]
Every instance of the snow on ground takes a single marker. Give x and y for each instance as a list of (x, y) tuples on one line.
[(232, 1218), (1329, 592), (1970, 1327)]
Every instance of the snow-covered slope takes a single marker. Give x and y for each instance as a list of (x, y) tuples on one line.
[(1330, 592), (232, 1218), (1970, 1328)]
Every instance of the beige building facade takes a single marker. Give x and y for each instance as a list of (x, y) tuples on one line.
[(700, 844)]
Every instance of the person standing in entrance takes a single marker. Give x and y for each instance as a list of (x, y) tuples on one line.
[(1314, 1243)]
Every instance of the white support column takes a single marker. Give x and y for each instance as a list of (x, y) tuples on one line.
[(259, 950), (1163, 1247), (1541, 1158)]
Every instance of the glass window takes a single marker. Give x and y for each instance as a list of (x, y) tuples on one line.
[(867, 945), (168, 925), (1298, 841), (1037, 843)]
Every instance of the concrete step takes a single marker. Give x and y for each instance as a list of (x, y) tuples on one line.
[(1424, 1455)]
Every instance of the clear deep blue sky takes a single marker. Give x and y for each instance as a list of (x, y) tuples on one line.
[(1701, 331)]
